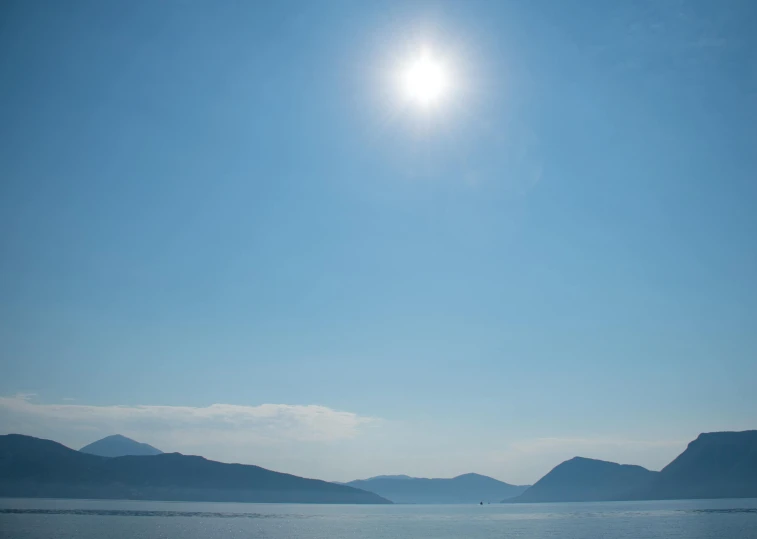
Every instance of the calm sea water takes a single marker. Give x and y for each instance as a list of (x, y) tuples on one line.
[(92, 519)]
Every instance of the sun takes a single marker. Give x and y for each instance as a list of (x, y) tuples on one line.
[(425, 79)]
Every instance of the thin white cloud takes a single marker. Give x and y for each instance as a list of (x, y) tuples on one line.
[(317, 441), (265, 423)]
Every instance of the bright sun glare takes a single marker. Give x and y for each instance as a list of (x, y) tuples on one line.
[(425, 79)]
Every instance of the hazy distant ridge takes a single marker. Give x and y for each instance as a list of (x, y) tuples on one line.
[(467, 488)]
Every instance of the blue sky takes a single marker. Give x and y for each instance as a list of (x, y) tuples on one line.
[(230, 204)]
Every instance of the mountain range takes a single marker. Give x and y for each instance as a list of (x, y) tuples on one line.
[(467, 488), (715, 465), (35, 468)]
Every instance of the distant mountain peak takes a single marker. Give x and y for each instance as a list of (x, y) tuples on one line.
[(584, 479), (473, 476), (118, 437), (118, 445), (715, 465), (727, 436), (589, 460)]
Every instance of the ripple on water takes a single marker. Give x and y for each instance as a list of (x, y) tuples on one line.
[(137, 513)]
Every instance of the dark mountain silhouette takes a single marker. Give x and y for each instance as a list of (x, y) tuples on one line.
[(468, 488), (119, 446), (715, 465), (582, 480), (32, 467)]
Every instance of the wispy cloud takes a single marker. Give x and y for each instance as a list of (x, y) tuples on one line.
[(227, 423)]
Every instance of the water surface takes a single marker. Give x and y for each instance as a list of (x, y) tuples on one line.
[(95, 519)]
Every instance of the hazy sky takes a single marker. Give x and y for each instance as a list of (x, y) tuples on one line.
[(224, 231)]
